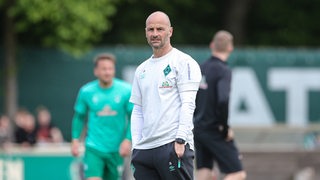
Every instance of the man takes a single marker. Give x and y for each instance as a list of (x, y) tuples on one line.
[(46, 131), (212, 135), (25, 133), (108, 140), (163, 93)]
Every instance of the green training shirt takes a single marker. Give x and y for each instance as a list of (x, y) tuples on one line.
[(108, 111)]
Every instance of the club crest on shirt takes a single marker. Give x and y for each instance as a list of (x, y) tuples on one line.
[(167, 70)]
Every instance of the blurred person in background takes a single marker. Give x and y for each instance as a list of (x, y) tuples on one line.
[(163, 93), (105, 104), (25, 133), (19, 117), (214, 139), (4, 131), (46, 131)]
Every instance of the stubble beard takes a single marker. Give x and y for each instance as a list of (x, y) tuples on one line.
[(105, 83)]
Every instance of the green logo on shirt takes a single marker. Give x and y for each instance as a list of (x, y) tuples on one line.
[(165, 84), (142, 74), (171, 167), (167, 70)]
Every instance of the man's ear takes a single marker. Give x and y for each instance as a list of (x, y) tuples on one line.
[(230, 48), (171, 31), (211, 45), (95, 73)]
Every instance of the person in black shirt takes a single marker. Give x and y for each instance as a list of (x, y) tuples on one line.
[(212, 134), (25, 133)]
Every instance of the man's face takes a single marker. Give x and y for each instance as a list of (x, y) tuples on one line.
[(158, 34), (105, 71)]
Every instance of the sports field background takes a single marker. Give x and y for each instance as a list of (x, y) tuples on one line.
[(274, 109), (270, 86)]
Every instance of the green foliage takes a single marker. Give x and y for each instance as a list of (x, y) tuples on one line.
[(266, 23), (71, 25), (194, 22), (75, 25)]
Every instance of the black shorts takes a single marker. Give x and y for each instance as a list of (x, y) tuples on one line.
[(162, 163), (210, 146)]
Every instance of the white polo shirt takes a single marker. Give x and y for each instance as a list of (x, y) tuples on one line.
[(157, 88)]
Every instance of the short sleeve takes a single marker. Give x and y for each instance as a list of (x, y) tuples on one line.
[(136, 93), (80, 105), (189, 75)]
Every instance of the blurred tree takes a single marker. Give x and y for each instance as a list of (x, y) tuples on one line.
[(253, 23), (289, 23), (71, 25), (235, 18), (194, 22)]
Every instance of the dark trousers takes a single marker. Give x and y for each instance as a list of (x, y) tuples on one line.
[(162, 163)]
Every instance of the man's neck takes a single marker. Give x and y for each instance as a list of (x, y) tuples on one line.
[(105, 84), (222, 56), (162, 51)]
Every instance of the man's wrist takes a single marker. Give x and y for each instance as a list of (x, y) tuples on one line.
[(75, 140), (180, 141)]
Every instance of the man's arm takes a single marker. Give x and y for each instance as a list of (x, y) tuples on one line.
[(136, 124), (188, 84), (223, 90), (185, 119), (186, 113), (78, 122), (125, 146), (129, 109)]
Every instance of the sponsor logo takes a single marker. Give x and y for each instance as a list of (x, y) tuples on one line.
[(107, 111), (165, 84), (171, 167)]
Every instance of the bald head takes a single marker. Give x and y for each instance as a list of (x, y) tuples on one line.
[(158, 33), (158, 17)]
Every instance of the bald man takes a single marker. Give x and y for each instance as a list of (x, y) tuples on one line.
[(163, 94), (212, 135)]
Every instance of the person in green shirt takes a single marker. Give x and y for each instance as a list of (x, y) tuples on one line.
[(103, 105)]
